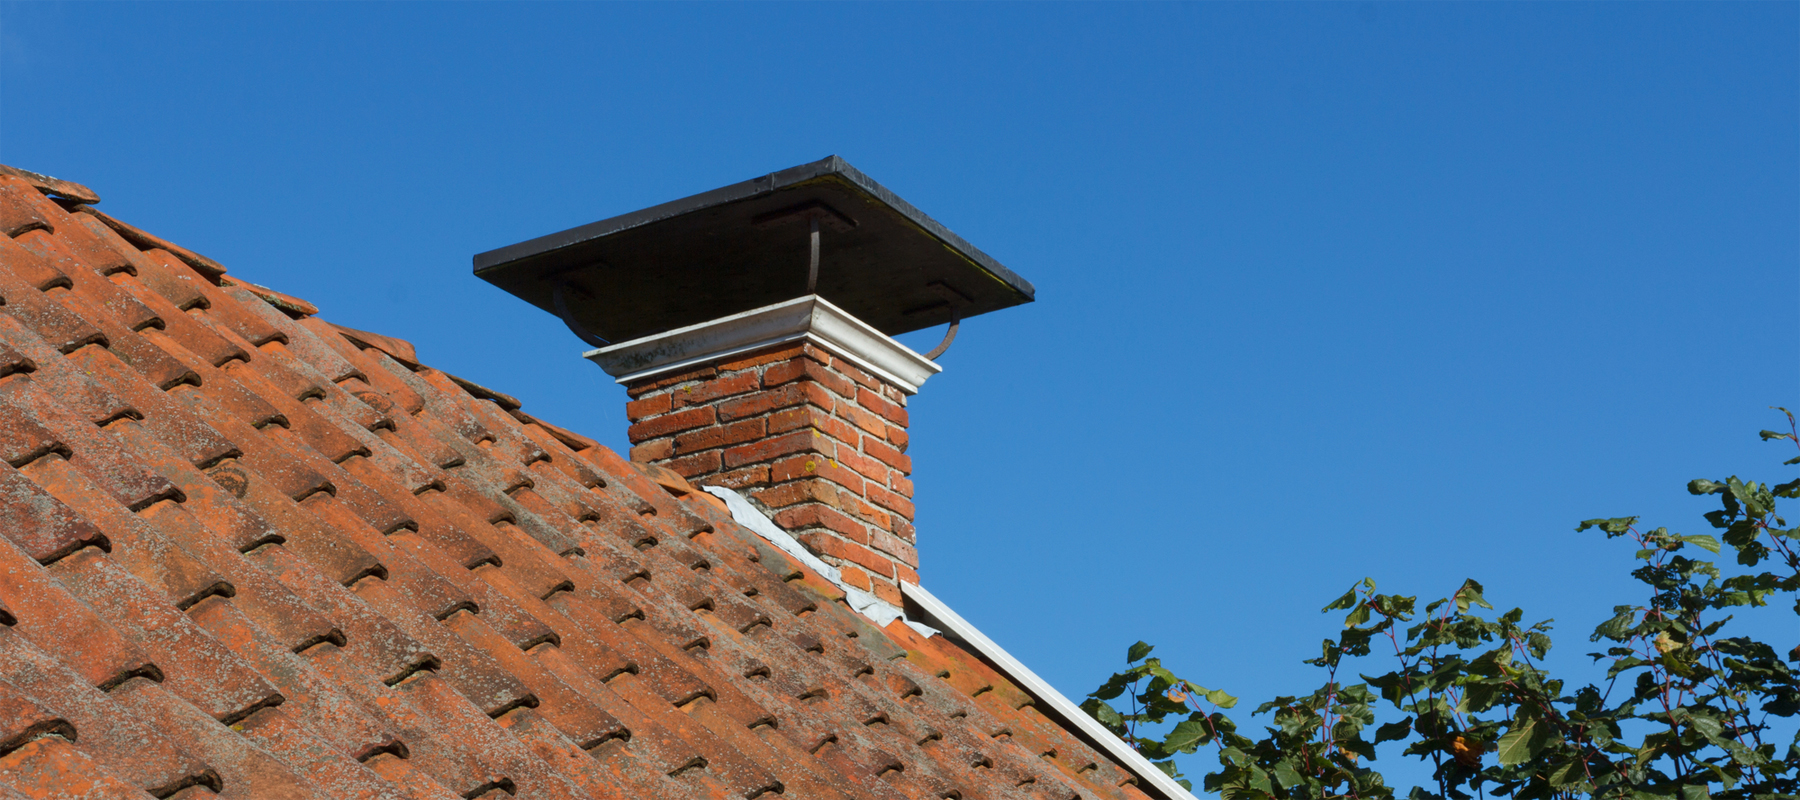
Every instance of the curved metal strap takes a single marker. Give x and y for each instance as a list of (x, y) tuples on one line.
[(949, 336), (562, 310)]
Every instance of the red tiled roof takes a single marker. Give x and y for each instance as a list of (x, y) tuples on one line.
[(249, 553)]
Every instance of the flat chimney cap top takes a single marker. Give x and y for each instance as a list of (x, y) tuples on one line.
[(747, 245)]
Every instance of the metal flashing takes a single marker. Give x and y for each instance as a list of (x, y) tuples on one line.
[(867, 604)]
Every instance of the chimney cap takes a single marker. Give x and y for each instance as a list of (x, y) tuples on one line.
[(747, 245)]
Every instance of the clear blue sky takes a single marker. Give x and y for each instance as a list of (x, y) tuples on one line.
[(1325, 291)]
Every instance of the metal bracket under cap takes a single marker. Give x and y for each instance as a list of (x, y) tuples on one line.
[(813, 212), (949, 336), (562, 310), (951, 296)]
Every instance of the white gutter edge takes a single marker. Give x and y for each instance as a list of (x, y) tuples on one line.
[(939, 616), (1058, 706)]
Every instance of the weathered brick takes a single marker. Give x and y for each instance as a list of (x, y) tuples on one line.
[(867, 467), (894, 412), (863, 418), (905, 530), (649, 385), (906, 573), (720, 436), (815, 515), (878, 450), (779, 353), (826, 544), (888, 592), (813, 465), (694, 394), (821, 491), (788, 494), (889, 500), (789, 419), (893, 393), (654, 450), (763, 402), (805, 369), (671, 423), (855, 373), (757, 475), (856, 577), (695, 465), (894, 546), (802, 441), (901, 486), (648, 407), (897, 437)]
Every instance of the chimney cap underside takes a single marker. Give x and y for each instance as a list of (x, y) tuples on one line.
[(747, 245)]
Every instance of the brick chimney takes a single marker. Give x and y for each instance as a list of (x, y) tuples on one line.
[(811, 435), (742, 375)]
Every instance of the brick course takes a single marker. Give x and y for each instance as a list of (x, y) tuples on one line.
[(817, 441)]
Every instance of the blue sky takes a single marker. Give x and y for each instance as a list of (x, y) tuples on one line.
[(1325, 291)]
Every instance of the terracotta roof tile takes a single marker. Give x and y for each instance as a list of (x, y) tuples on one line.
[(287, 303), (251, 553), (144, 241), (52, 186)]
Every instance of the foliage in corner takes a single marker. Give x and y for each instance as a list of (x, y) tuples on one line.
[(1684, 712)]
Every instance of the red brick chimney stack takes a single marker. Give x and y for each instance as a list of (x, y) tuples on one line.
[(798, 406), (813, 438)]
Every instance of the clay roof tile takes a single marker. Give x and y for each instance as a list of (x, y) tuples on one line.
[(249, 551)]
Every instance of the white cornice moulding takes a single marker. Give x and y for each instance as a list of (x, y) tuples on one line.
[(811, 319)]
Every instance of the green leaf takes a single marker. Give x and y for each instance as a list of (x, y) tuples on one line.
[(1619, 627), (1287, 776), (1615, 526), (1703, 486), (1348, 600), (1703, 542), (1394, 731), (1524, 740), (1479, 697), (1470, 594), (1259, 780), (1113, 687), (1566, 774), (1106, 714), (1139, 650), (1187, 735)]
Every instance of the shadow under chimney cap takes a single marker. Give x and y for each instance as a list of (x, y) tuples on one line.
[(747, 245)]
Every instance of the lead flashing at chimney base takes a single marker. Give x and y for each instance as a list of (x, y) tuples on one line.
[(798, 406)]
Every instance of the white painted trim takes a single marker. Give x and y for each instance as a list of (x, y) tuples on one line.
[(1051, 701), (811, 318)]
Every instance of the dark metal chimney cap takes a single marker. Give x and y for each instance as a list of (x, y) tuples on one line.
[(747, 245)]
